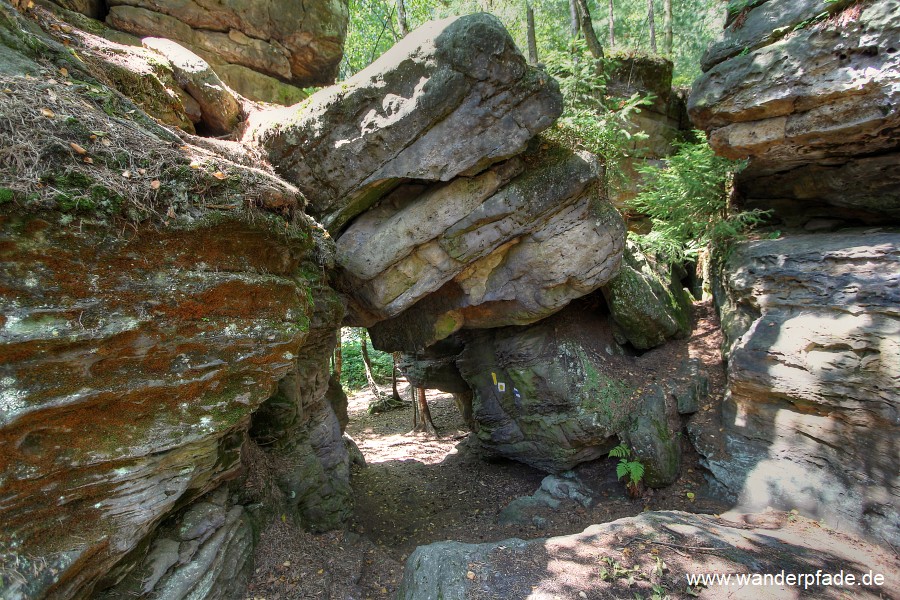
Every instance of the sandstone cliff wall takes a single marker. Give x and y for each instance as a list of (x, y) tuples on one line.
[(808, 91)]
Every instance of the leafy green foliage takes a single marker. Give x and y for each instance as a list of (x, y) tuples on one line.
[(687, 202), (592, 120), (632, 469), (373, 27), (353, 372)]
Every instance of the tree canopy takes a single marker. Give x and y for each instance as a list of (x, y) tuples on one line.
[(375, 26)]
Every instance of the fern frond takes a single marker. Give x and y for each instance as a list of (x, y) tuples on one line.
[(620, 451), (636, 470)]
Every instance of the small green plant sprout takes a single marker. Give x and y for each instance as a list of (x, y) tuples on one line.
[(612, 570), (633, 470)]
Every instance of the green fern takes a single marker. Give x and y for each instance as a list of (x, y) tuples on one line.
[(632, 469), (620, 451), (687, 202)]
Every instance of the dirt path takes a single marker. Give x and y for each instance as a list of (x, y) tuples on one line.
[(417, 489)]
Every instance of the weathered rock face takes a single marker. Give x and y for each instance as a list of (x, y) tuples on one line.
[(435, 367), (804, 104), (461, 255), (762, 543), (204, 551), (270, 40), (543, 394), (522, 282), (813, 327), (811, 321), (220, 110), (99, 329), (452, 98), (95, 9), (303, 435), (132, 362), (646, 302)]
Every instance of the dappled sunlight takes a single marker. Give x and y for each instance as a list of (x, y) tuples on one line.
[(428, 450), (390, 437)]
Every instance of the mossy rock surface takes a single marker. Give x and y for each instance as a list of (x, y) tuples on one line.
[(647, 302), (551, 395)]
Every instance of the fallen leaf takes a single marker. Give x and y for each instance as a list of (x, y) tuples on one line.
[(470, 575), (126, 174), (220, 175), (7, 91), (142, 171), (195, 164), (155, 184), (106, 142), (48, 113), (77, 148), (88, 160), (64, 71), (171, 214)]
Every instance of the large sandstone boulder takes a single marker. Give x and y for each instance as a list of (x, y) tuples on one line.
[(548, 395), (143, 325), (647, 302), (812, 324), (469, 234), (525, 280), (808, 99), (562, 392), (640, 556), (451, 98), (259, 41)]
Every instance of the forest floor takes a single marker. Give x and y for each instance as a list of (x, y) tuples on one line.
[(417, 489)]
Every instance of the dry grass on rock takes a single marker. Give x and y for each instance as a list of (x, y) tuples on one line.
[(84, 150)]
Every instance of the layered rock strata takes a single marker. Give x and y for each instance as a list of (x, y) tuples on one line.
[(483, 259), (252, 45), (814, 104), (150, 309), (451, 98), (811, 420), (811, 320)]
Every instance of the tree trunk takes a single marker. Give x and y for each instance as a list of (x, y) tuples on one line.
[(587, 28), (532, 36), (368, 365), (652, 23), (667, 28), (612, 25), (573, 19), (425, 423), (338, 358), (401, 18), (396, 359)]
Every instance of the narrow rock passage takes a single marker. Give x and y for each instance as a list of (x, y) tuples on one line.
[(417, 489)]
